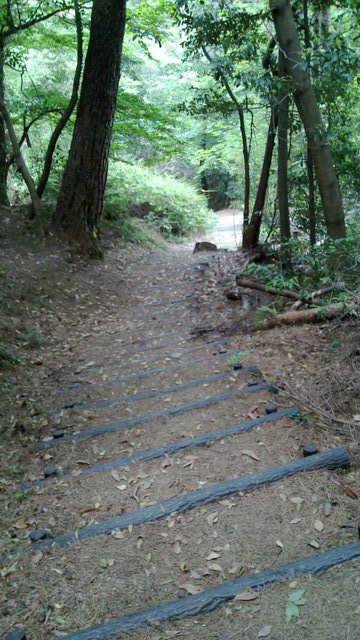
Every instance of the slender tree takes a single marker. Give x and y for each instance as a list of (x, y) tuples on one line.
[(66, 115), (81, 197), (310, 115), (16, 17), (245, 145), (282, 180)]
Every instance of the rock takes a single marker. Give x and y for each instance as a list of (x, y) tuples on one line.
[(233, 295), (253, 383), (49, 472), (271, 408), (16, 634), (39, 534), (204, 246), (309, 449), (237, 367)]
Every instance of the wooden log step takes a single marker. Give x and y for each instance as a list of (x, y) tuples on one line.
[(152, 454), (174, 388), (211, 599), (123, 363), (150, 417), (148, 373), (333, 459)]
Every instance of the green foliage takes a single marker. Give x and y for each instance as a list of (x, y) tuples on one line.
[(173, 205), (271, 276), (326, 263), (237, 358), (300, 417), (296, 599)]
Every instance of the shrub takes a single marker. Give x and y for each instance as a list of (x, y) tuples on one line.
[(174, 205)]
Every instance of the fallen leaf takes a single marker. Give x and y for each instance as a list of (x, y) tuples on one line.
[(318, 525), (122, 487), (213, 556), (212, 518), (216, 567), (279, 544), (297, 500), (116, 475), (37, 557), (177, 548), (250, 454), (265, 631), (314, 544), (349, 492), (118, 534), (190, 588), (20, 524), (327, 509), (246, 595)]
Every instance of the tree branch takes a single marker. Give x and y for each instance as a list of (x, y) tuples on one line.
[(64, 118), (22, 26)]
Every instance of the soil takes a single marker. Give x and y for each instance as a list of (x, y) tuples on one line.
[(76, 334)]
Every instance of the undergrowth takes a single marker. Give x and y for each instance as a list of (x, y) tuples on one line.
[(174, 206), (333, 262)]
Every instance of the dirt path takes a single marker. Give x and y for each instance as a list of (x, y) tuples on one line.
[(136, 405)]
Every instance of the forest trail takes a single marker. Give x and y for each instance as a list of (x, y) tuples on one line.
[(156, 417), (227, 231)]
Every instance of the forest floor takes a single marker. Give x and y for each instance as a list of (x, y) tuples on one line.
[(130, 339)]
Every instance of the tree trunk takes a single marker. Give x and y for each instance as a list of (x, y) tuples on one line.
[(81, 197), (310, 115), (282, 179), (36, 204), (309, 160), (252, 232), (4, 200), (245, 146), (63, 120)]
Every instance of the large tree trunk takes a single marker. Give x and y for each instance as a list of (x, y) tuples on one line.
[(65, 117), (81, 197), (4, 200), (310, 115), (252, 232)]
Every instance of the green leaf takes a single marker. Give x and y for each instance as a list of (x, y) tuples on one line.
[(103, 563), (296, 597), (291, 611)]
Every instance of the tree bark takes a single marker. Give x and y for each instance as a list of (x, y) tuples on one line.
[(309, 160), (318, 314), (282, 179), (81, 197), (63, 120), (36, 204), (251, 233), (310, 115), (4, 200)]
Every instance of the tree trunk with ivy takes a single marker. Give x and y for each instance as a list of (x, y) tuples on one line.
[(80, 203), (283, 151), (310, 115), (4, 200)]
